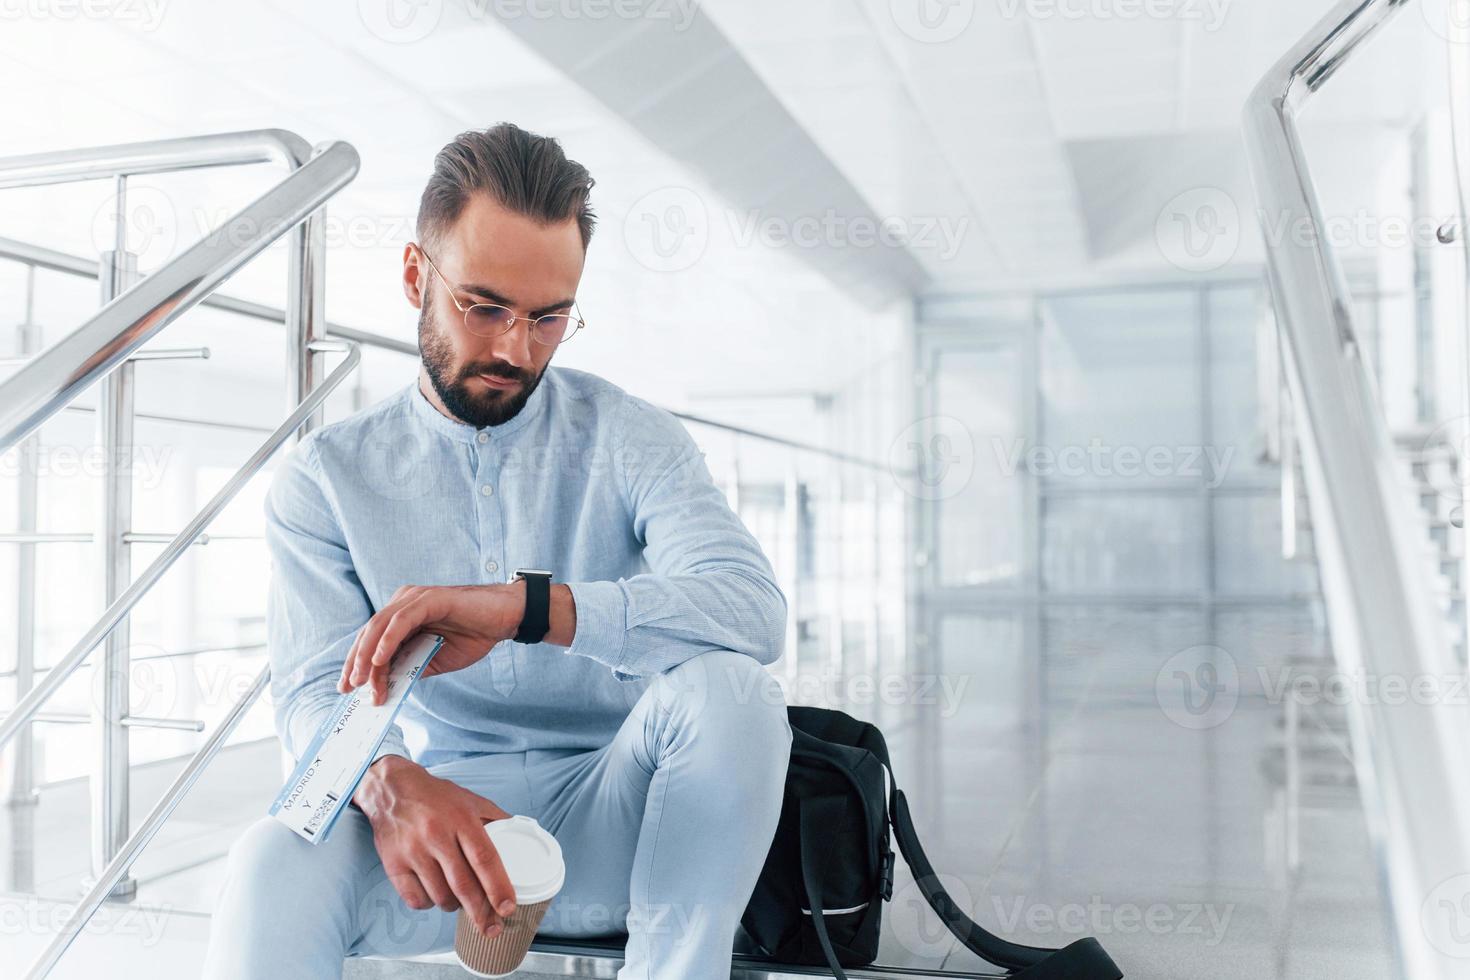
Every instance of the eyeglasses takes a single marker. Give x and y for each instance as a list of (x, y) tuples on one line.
[(491, 320)]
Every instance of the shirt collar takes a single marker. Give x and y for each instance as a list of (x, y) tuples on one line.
[(463, 431)]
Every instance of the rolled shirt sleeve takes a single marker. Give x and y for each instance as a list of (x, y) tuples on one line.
[(709, 586)]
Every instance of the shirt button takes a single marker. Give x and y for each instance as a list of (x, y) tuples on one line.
[(486, 490), (491, 567), (482, 438)]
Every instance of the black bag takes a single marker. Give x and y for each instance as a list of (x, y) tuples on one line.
[(819, 896)]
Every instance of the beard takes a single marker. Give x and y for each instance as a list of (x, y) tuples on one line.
[(469, 400)]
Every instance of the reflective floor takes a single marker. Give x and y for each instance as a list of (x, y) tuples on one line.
[(1065, 778)]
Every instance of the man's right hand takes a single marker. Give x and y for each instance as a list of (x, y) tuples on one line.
[(430, 834)]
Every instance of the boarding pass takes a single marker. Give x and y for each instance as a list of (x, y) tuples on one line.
[(334, 763)]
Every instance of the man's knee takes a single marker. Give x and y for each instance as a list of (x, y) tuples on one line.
[(269, 860), (732, 698)]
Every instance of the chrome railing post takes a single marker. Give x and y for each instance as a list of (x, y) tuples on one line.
[(306, 321), (112, 671), (21, 795)]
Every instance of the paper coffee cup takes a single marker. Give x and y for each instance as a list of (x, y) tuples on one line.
[(533, 862)]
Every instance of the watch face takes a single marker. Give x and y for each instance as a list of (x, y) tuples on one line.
[(530, 571)]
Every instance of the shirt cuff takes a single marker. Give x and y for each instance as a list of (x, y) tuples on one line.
[(602, 623), (392, 744)]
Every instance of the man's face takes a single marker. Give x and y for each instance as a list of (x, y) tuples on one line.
[(491, 255)]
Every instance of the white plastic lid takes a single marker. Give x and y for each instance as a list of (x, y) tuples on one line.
[(531, 856)]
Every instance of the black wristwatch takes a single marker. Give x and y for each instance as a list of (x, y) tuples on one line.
[(537, 618)]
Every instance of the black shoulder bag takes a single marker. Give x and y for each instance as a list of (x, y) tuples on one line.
[(819, 896)]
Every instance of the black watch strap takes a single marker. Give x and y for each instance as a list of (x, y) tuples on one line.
[(537, 618)]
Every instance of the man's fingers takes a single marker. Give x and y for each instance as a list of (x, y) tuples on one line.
[(367, 640), (490, 871), (410, 891), (465, 883), (434, 883)]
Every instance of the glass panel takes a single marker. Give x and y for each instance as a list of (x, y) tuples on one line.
[(1136, 543), (1099, 352), (977, 391), (1237, 426), (1248, 548)]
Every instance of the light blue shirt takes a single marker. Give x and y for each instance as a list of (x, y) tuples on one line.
[(608, 492)]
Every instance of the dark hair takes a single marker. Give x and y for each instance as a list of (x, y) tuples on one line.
[(526, 173)]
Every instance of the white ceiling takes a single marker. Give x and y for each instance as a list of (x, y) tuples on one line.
[(1028, 146)]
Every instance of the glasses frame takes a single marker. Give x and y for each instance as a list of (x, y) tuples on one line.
[(575, 316)]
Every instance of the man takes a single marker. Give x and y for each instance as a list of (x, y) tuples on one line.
[(625, 708)]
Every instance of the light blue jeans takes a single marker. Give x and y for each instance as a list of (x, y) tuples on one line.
[(664, 831)]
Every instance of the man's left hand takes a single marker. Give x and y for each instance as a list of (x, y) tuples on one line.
[(471, 618)]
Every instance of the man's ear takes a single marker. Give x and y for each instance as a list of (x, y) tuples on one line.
[(415, 277)]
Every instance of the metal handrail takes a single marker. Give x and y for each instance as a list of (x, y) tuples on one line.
[(180, 542), (1413, 760), (140, 839), (50, 380), (123, 860), (156, 157), (103, 347)]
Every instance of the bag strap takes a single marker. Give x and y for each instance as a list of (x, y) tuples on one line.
[(1084, 959), (814, 815)]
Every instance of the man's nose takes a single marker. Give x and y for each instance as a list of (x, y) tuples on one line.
[(515, 345)]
